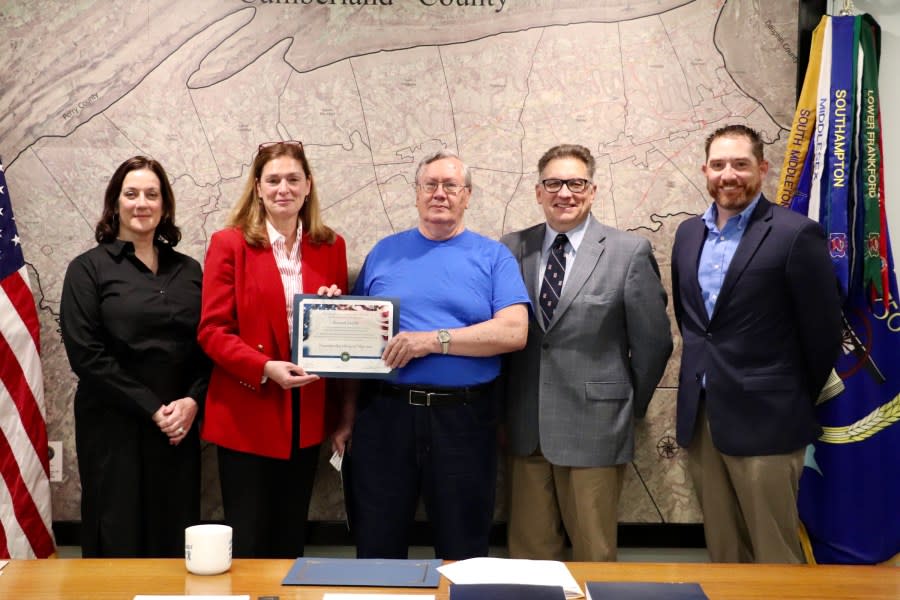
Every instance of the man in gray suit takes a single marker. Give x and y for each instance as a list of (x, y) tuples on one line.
[(598, 342)]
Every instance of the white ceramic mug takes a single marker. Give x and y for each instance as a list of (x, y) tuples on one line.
[(207, 549)]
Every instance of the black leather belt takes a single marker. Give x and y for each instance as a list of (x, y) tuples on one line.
[(429, 395)]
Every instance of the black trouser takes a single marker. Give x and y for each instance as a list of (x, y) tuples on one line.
[(448, 452), (266, 500)]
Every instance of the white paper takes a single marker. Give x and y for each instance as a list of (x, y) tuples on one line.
[(56, 462), (512, 570), (336, 461), (376, 596)]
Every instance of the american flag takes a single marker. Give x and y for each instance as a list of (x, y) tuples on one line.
[(25, 521)]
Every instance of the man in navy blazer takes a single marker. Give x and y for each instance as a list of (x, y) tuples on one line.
[(757, 304)]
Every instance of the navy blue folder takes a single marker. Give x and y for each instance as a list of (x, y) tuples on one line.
[(374, 572), (505, 591), (634, 590)]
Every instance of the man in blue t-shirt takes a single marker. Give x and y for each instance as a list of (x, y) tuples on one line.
[(433, 429)]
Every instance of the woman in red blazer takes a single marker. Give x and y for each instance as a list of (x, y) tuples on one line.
[(266, 414)]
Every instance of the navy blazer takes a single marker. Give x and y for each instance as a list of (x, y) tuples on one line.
[(771, 341)]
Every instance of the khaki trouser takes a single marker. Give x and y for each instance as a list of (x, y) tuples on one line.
[(545, 498), (749, 502)]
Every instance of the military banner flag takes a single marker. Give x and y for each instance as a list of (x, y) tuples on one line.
[(850, 489)]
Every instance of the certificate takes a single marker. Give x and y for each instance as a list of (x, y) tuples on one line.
[(343, 336)]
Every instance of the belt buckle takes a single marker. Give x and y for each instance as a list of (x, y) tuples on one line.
[(423, 398)]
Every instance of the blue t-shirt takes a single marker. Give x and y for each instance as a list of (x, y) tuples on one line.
[(443, 285)]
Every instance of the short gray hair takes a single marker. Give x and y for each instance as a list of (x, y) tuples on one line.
[(440, 155)]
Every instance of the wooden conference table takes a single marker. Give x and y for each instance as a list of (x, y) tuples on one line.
[(104, 579)]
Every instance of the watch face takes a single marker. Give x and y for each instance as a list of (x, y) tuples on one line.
[(444, 335)]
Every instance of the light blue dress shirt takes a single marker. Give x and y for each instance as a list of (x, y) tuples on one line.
[(718, 250)]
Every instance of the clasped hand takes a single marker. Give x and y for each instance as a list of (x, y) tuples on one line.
[(176, 418)]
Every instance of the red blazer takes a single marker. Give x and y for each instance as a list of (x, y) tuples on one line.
[(243, 324)]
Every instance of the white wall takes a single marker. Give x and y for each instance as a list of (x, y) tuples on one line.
[(887, 13)]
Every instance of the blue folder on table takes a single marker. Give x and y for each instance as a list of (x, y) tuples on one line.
[(505, 591), (373, 572), (633, 590)]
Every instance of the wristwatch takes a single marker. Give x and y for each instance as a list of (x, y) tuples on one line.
[(443, 337)]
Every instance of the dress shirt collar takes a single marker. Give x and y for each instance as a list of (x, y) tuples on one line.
[(120, 248), (276, 236), (575, 235), (712, 214)]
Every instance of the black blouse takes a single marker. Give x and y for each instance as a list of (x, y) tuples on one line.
[(130, 335)]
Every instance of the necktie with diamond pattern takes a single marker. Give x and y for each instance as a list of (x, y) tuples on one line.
[(551, 286)]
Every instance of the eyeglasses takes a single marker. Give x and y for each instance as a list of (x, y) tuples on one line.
[(265, 145), (450, 188), (576, 186)]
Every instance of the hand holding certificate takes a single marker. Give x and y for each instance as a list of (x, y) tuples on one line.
[(343, 336)]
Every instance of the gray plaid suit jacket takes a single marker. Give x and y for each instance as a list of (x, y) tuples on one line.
[(577, 386)]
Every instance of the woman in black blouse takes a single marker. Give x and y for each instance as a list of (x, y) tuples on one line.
[(129, 314)]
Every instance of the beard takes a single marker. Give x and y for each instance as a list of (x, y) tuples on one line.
[(736, 197)]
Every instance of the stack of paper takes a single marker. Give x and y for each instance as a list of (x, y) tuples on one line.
[(512, 570)]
